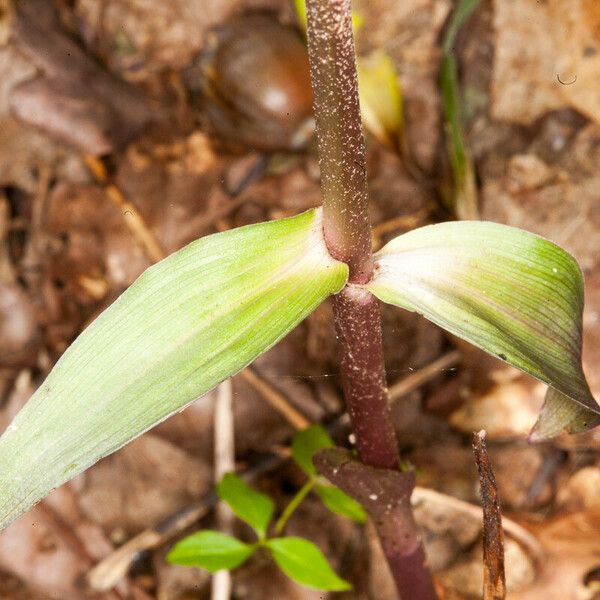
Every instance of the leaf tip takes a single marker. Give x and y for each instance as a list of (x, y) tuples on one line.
[(560, 415)]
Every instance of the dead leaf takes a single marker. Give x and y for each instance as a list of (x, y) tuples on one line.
[(572, 544), (141, 484), (139, 38), (547, 56), (408, 32)]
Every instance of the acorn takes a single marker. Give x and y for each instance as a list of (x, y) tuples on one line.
[(255, 85)]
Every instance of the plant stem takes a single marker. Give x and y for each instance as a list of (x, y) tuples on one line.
[(347, 233), (339, 134), (358, 329), (346, 226), (293, 505)]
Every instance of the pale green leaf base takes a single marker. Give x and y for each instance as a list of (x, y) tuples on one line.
[(187, 323), (507, 291)]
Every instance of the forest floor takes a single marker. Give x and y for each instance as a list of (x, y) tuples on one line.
[(81, 79)]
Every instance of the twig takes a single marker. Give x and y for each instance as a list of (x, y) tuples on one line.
[(136, 224), (7, 271), (405, 222), (276, 399), (134, 221), (515, 531), (494, 584), (415, 380), (35, 250), (224, 463)]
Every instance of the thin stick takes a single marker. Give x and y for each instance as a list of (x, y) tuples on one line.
[(494, 584), (347, 234), (276, 399), (224, 463), (134, 221), (415, 380)]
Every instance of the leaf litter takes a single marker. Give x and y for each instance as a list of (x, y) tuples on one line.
[(528, 72)]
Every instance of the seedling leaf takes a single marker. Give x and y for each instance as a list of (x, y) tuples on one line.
[(303, 562), (507, 291), (187, 323), (250, 505), (210, 550), (339, 502), (305, 443)]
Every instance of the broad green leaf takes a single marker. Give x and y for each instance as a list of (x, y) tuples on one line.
[(303, 562), (507, 291), (210, 550), (339, 502), (253, 507), (380, 98), (187, 323), (305, 443)]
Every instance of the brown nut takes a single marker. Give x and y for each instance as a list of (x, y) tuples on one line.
[(256, 85)]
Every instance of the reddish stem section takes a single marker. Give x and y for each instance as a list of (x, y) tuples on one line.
[(339, 134), (385, 494), (358, 328), (347, 233)]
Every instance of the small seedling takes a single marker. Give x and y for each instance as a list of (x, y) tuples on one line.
[(298, 558), (208, 310)]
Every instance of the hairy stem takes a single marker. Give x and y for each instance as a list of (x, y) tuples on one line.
[(339, 135), (358, 329), (347, 233)]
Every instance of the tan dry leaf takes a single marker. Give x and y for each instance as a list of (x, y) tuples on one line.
[(547, 56), (572, 544), (142, 37), (408, 32)]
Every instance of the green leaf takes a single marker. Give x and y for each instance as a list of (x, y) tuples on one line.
[(253, 507), (463, 200), (339, 502), (305, 443), (507, 291), (187, 323), (210, 550), (463, 196), (303, 562), (462, 12), (380, 98)]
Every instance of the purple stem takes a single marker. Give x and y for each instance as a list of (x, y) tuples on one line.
[(347, 233)]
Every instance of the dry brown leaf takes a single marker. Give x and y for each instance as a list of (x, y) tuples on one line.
[(138, 37), (547, 56), (141, 484), (46, 558), (408, 32), (508, 410), (572, 544)]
